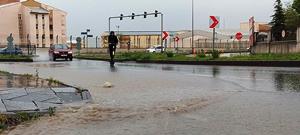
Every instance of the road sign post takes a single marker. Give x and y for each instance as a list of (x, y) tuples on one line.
[(164, 38), (176, 40), (239, 37), (78, 44), (213, 24)]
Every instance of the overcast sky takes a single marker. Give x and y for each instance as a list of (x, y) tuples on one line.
[(94, 14)]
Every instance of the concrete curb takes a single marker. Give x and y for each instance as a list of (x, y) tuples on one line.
[(231, 63), (16, 60)]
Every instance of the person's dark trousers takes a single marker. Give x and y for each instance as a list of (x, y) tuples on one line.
[(112, 51)]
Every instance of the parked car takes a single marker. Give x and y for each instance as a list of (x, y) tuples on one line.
[(15, 51), (60, 51), (155, 49)]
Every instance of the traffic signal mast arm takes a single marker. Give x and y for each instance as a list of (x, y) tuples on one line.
[(130, 16)]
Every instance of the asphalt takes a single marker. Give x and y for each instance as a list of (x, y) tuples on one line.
[(170, 99)]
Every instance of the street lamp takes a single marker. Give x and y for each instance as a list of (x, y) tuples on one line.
[(118, 27), (192, 26)]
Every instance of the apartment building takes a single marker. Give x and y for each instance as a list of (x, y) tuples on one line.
[(32, 22)]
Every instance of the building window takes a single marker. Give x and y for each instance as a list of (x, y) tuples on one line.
[(36, 16), (51, 36), (43, 37), (51, 27), (37, 36), (37, 26), (20, 17), (43, 17), (43, 26)]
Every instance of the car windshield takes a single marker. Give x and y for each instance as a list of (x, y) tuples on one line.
[(61, 47)]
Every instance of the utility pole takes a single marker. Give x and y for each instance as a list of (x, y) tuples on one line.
[(193, 26)]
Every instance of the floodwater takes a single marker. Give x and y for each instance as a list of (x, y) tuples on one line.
[(24, 81), (170, 99)]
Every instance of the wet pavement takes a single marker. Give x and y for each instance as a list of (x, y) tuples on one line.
[(171, 99), (27, 93)]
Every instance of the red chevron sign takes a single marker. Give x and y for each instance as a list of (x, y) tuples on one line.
[(165, 35), (214, 22)]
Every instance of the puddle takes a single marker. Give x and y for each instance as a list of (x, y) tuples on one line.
[(287, 82), (22, 81)]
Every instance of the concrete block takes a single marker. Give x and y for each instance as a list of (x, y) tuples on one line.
[(15, 106), (68, 97), (55, 100), (13, 93), (64, 90), (35, 97), (2, 107), (45, 106), (39, 90), (86, 95)]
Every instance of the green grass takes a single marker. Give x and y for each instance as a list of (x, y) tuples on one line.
[(142, 56), (263, 57), (14, 57)]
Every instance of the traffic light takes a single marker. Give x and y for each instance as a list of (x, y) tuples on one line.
[(121, 18), (145, 14), (132, 17), (156, 13)]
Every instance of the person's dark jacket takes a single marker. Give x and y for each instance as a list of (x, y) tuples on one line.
[(113, 40)]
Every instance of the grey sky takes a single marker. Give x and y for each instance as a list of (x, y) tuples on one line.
[(94, 14)]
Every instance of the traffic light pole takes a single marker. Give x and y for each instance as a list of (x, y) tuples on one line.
[(214, 36), (161, 35)]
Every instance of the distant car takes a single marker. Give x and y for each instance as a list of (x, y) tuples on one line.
[(60, 51), (15, 51), (155, 49)]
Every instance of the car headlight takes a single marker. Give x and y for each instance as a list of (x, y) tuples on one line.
[(56, 52), (70, 52)]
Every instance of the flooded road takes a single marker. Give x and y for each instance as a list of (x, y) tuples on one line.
[(170, 99)]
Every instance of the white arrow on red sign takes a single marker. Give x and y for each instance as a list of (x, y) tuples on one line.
[(176, 39), (214, 21), (165, 35)]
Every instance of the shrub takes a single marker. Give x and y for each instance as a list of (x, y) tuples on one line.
[(215, 54), (202, 54), (145, 57), (170, 54)]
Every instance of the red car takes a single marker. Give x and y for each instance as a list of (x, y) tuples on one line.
[(60, 51)]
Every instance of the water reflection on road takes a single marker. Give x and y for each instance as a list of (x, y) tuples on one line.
[(249, 99)]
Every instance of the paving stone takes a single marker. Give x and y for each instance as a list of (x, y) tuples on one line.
[(45, 106), (35, 97), (39, 90), (2, 107), (68, 97), (13, 93), (60, 90), (55, 100), (13, 106)]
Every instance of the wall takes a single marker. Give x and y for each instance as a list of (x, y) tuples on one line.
[(277, 47), (2, 2), (10, 23)]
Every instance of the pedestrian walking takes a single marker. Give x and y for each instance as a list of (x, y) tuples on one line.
[(113, 42)]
